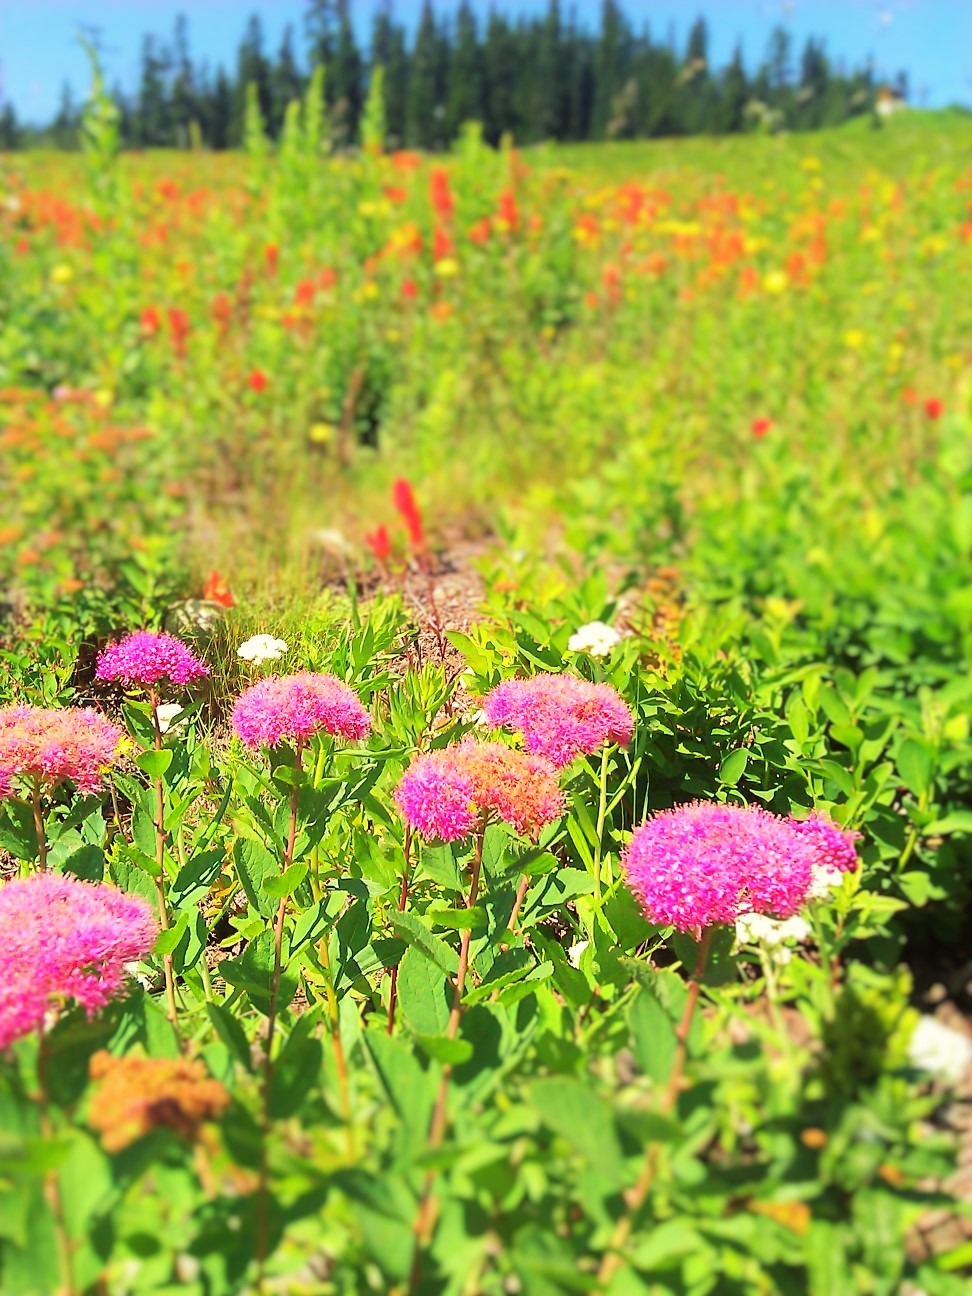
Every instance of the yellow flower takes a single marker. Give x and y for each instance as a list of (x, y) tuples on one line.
[(447, 268), (321, 433), (776, 282), (853, 339), (62, 274)]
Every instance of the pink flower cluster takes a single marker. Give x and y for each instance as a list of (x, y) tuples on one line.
[(705, 863), (71, 743), (61, 939), (834, 846), (147, 658), (560, 716), (297, 707), (443, 794)]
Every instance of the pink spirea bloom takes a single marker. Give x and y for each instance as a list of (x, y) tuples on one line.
[(835, 846), (148, 658), (705, 863), (444, 793), (62, 939), (71, 743), (296, 707), (560, 716)]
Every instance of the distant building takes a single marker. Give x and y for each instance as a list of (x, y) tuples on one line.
[(889, 102)]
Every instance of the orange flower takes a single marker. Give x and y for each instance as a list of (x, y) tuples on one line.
[(216, 590)]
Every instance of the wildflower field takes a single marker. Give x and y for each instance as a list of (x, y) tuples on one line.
[(485, 706)]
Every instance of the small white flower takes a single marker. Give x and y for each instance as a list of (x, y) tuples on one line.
[(756, 929), (479, 719), (823, 880), (135, 971), (261, 648), (595, 638), (168, 713), (575, 952), (939, 1050), (465, 677)]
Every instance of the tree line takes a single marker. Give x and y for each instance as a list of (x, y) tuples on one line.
[(537, 78)]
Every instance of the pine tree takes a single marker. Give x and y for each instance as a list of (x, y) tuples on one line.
[(425, 85), (734, 96), (344, 76), (465, 99), (151, 112), (501, 63), (252, 68), (182, 95), (9, 129), (388, 48), (286, 82), (610, 68)]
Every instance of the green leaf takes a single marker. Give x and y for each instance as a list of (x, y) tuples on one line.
[(424, 993), (297, 1068), (451, 1051), (154, 763), (583, 1119), (457, 919), (87, 863), (285, 884), (653, 1036), (414, 932), (959, 821), (229, 1030), (916, 765), (734, 766), (254, 863)]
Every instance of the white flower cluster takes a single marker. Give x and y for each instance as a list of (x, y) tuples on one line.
[(168, 714), (261, 648), (596, 638), (823, 880), (939, 1049), (757, 929)]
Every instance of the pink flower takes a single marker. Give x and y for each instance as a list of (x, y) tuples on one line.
[(704, 863), (61, 938), (444, 793), (834, 846), (560, 716), (297, 707), (147, 658), (72, 743)]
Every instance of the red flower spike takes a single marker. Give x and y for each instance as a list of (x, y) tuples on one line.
[(257, 381), (405, 503), (217, 591), (760, 427), (379, 542), (934, 408)]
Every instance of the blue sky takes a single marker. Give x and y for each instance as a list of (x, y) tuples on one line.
[(932, 39)]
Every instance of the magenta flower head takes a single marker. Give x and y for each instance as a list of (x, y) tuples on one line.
[(149, 658), (560, 716), (445, 794), (63, 939), (71, 743), (834, 846), (705, 863), (296, 707)]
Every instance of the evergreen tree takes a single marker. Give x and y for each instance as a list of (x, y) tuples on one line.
[(465, 99), (182, 95), (610, 70), (9, 129), (501, 59), (252, 68), (734, 96), (151, 116), (426, 109), (286, 82), (389, 50), (345, 77)]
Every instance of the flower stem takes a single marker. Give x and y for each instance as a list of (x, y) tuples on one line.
[(613, 1257), (601, 816), (402, 902), (35, 805), (425, 1219), (263, 1186), (521, 891), (172, 1011), (52, 1182)]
